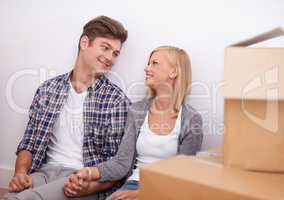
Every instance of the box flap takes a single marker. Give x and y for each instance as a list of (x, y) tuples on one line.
[(277, 32)]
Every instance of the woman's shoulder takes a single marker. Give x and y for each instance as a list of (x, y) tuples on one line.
[(189, 111)]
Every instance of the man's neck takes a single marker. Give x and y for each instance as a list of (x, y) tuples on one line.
[(81, 78)]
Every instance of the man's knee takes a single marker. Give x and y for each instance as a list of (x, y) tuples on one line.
[(28, 194), (10, 196)]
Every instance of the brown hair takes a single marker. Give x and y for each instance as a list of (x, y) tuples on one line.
[(104, 26)]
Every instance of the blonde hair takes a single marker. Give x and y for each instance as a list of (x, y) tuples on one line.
[(179, 59)]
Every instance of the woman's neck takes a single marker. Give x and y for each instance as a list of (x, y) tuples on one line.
[(163, 103)]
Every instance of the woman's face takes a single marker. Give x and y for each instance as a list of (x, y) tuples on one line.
[(159, 71)]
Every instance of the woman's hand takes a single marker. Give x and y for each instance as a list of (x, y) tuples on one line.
[(75, 187), (89, 173), (83, 182), (125, 195)]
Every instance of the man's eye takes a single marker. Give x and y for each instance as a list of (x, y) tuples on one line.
[(104, 47), (154, 62)]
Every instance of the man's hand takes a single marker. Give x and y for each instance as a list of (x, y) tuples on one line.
[(78, 184), (75, 186), (21, 179), (125, 195), (84, 182), (20, 182)]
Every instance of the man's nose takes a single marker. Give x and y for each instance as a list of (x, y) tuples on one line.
[(109, 55)]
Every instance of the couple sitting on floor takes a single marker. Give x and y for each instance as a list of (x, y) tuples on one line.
[(85, 140)]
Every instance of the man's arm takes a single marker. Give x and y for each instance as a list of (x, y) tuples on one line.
[(23, 162), (87, 179), (21, 179)]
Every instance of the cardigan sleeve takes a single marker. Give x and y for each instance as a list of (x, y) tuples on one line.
[(191, 143)]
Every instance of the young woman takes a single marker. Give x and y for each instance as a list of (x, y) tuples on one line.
[(158, 127)]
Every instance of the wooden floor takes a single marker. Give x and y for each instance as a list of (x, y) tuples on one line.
[(2, 192)]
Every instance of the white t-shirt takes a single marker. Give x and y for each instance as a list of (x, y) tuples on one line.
[(152, 147), (65, 146)]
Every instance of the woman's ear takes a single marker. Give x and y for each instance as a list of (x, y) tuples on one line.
[(173, 74), (84, 42)]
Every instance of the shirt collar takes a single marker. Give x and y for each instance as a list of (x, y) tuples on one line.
[(96, 84)]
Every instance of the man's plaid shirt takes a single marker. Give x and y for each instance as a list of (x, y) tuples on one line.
[(104, 115)]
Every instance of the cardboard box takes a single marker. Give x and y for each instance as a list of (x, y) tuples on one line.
[(249, 69), (252, 144), (254, 105), (192, 178), (213, 154)]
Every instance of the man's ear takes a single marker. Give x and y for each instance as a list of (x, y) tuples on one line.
[(84, 42)]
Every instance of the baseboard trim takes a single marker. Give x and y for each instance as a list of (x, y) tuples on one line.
[(6, 175)]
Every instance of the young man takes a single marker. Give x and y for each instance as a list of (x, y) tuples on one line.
[(76, 120)]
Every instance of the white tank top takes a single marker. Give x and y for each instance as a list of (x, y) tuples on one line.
[(152, 147)]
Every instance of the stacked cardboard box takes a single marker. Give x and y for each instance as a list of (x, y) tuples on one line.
[(252, 165), (254, 105)]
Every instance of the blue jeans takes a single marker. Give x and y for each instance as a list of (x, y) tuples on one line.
[(130, 185)]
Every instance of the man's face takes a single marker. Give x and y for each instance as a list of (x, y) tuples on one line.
[(100, 54)]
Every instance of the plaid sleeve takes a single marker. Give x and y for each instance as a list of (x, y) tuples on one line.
[(28, 139), (118, 122)]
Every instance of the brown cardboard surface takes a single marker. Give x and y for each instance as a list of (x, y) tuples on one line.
[(185, 178), (213, 154), (254, 73), (254, 108), (254, 135)]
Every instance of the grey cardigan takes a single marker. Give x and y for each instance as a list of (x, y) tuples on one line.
[(121, 165)]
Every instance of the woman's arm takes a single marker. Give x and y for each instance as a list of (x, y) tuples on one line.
[(109, 171), (192, 140), (118, 167)]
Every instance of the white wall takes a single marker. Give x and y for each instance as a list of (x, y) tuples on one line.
[(39, 40)]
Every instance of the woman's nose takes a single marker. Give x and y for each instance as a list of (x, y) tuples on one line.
[(147, 68)]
